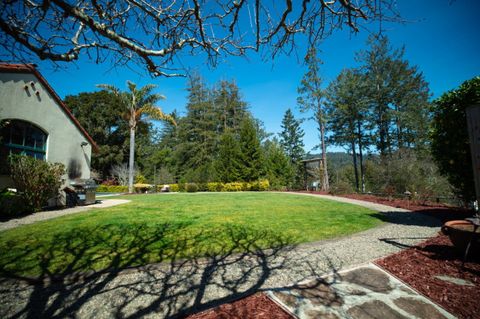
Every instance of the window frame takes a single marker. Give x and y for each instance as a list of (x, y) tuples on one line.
[(27, 129)]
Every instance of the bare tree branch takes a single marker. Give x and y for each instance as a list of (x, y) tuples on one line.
[(153, 33)]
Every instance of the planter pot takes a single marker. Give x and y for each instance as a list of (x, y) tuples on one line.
[(460, 233)]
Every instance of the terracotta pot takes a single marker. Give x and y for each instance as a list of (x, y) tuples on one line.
[(460, 233)]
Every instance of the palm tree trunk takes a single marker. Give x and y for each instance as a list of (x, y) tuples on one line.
[(131, 159)]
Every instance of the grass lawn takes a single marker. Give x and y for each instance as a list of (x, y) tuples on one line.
[(166, 227)]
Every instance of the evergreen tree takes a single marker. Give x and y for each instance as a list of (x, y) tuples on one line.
[(229, 106), (278, 167), (197, 131), (312, 99), (228, 163), (291, 139), (399, 97), (252, 164), (348, 114)]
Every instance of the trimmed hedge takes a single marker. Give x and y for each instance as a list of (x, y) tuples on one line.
[(112, 189), (259, 186)]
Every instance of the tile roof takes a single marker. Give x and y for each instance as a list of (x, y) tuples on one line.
[(31, 68)]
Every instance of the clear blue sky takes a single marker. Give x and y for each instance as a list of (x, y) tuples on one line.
[(442, 40)]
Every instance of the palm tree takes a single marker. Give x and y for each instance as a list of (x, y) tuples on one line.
[(138, 104)]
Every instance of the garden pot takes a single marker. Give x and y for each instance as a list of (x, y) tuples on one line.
[(460, 233)]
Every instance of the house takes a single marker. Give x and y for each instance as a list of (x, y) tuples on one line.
[(36, 122)]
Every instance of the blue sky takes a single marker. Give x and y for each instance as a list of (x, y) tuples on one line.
[(442, 40)]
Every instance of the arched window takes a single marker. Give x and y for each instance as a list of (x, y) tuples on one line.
[(20, 137)]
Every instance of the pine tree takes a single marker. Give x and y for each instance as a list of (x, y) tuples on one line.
[(229, 106), (399, 97), (291, 139), (228, 163), (278, 167), (348, 115), (312, 99), (252, 164), (197, 131)]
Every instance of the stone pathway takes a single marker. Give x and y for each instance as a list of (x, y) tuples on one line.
[(33, 218), (365, 292), (174, 289)]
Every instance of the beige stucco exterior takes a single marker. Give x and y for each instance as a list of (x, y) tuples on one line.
[(23, 97)]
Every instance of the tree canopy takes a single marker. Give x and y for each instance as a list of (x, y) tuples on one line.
[(450, 143)]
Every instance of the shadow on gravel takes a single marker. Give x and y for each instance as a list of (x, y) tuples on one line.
[(195, 272), (433, 218), (409, 218)]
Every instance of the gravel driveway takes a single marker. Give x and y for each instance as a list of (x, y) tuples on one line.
[(171, 290)]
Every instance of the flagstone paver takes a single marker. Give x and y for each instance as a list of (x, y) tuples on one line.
[(365, 292)]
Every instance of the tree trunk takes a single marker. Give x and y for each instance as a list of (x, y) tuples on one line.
[(325, 184), (360, 156), (319, 115), (131, 159), (354, 156)]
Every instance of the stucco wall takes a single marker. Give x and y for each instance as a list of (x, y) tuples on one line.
[(64, 138)]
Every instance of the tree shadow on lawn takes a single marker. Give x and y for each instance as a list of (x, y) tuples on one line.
[(192, 272)]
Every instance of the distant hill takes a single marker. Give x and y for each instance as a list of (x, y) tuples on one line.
[(335, 159)]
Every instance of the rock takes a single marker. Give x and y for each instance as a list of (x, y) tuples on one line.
[(369, 278), (456, 281), (374, 310), (319, 293), (418, 308), (287, 299), (314, 314)]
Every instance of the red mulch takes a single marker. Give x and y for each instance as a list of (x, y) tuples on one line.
[(419, 265), (257, 306)]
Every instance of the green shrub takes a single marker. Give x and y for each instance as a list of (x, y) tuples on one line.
[(191, 187), (341, 187), (246, 186), (174, 188), (232, 187), (181, 187), (140, 179), (263, 185), (112, 189), (202, 187), (12, 204), (36, 181), (214, 187)]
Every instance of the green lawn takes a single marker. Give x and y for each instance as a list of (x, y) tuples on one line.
[(165, 227)]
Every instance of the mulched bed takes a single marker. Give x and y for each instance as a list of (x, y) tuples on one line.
[(419, 265), (257, 306)]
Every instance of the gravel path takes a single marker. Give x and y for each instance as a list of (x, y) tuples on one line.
[(30, 219), (171, 290)]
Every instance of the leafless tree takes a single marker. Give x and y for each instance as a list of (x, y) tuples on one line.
[(155, 33), (121, 173)]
